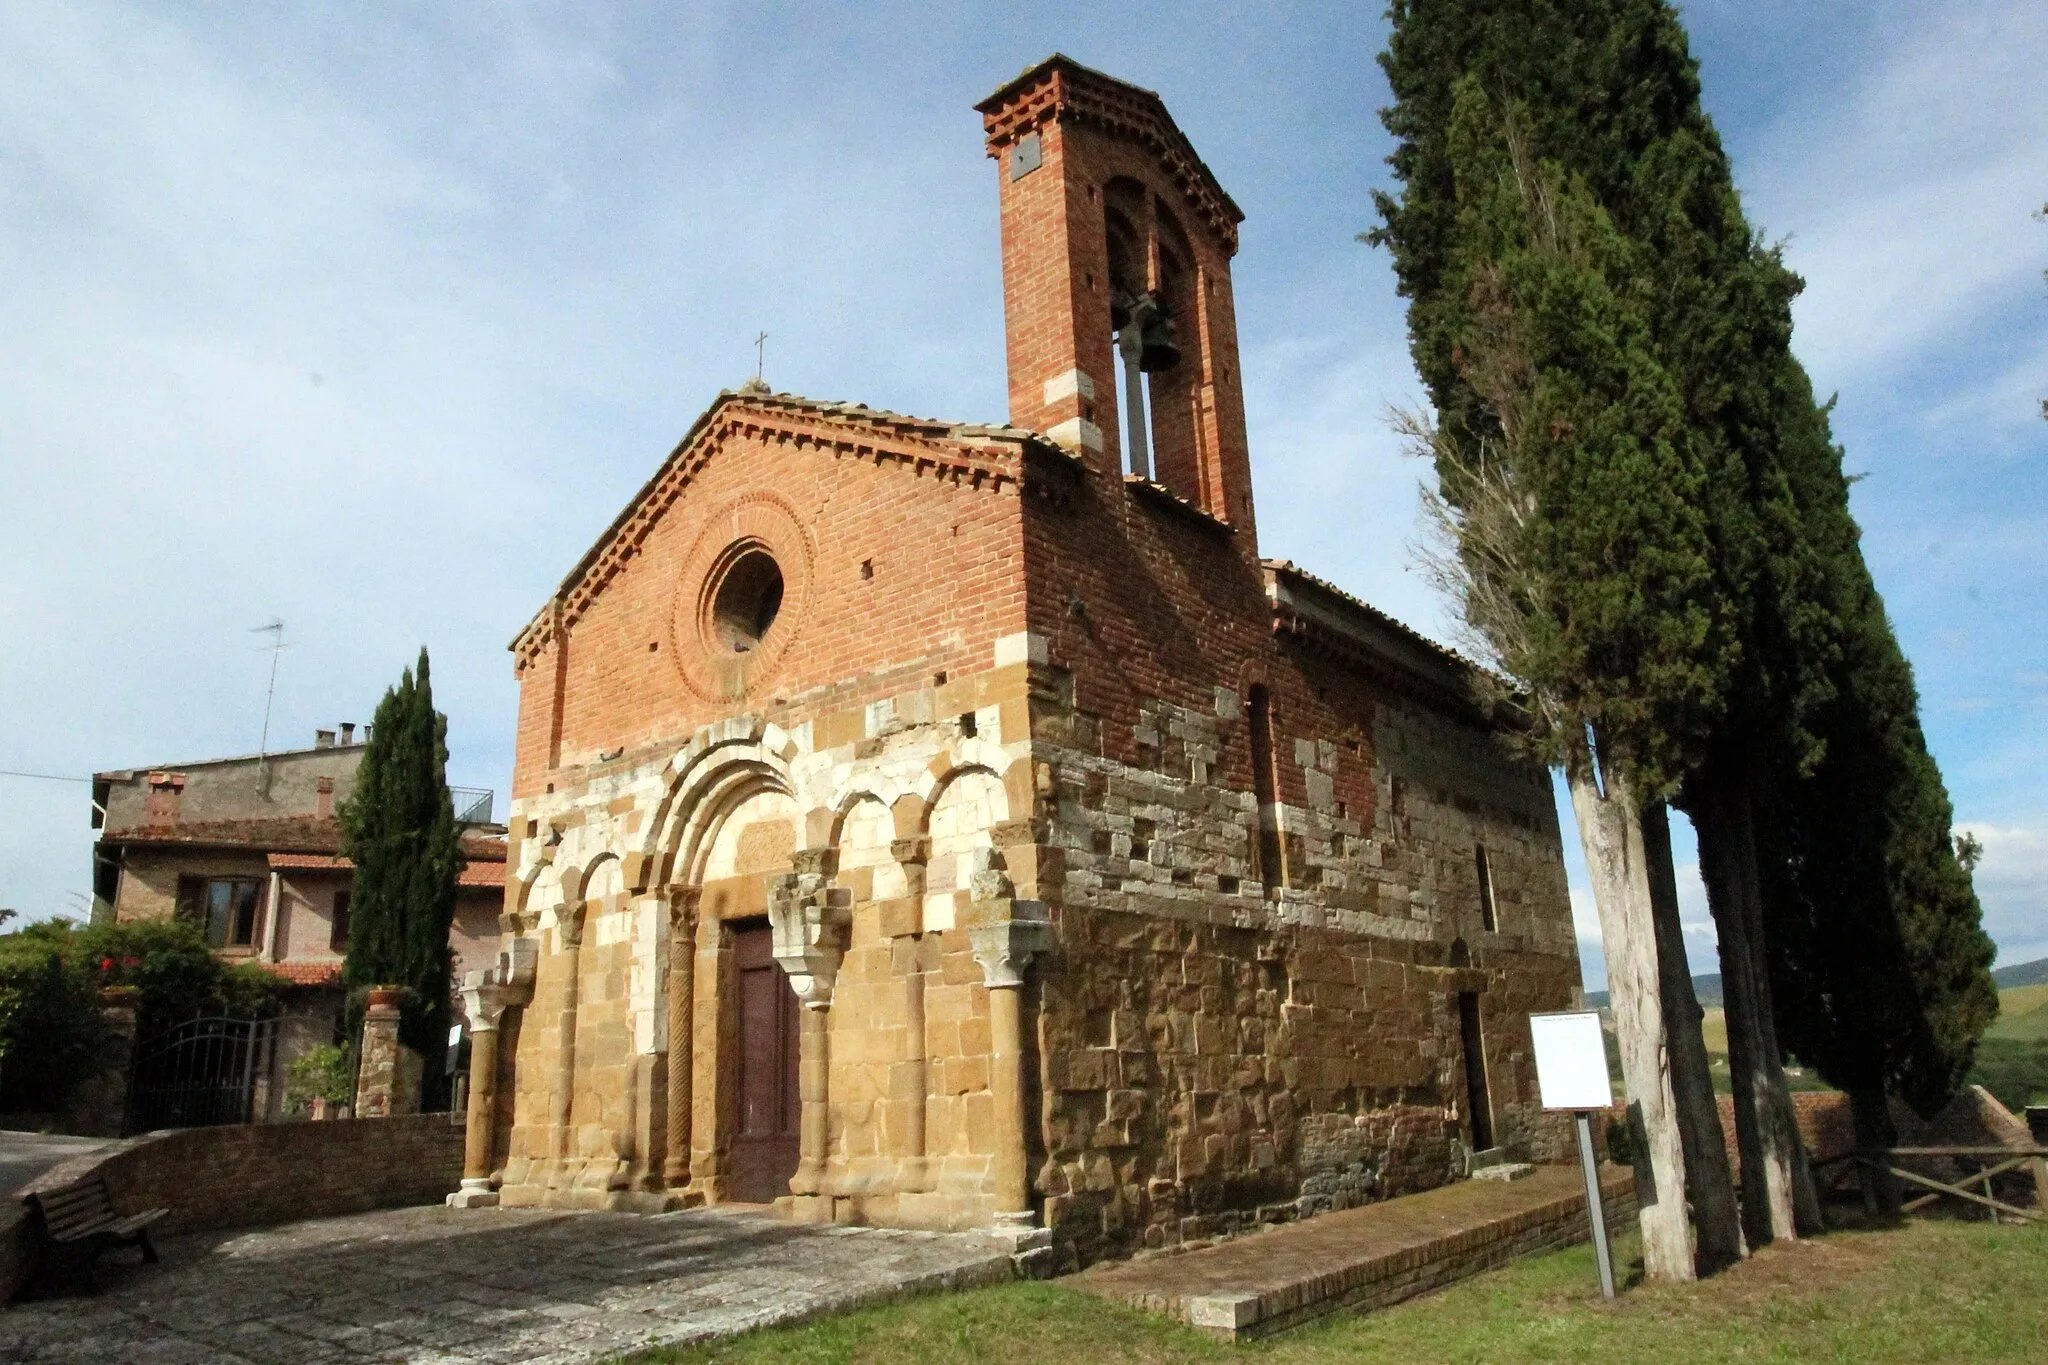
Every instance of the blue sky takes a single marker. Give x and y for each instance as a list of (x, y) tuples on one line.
[(370, 316)]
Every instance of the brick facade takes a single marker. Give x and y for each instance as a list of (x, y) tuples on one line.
[(1129, 882)]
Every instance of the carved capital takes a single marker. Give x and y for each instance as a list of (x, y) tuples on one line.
[(916, 849), (809, 921), (1005, 936), (488, 993), (682, 910), (817, 862)]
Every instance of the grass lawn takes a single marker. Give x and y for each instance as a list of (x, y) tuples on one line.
[(1931, 1291)]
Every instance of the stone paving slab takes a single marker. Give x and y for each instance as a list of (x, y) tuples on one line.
[(482, 1285), (1365, 1257)]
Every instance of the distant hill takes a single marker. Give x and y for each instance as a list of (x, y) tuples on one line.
[(2022, 974), (1707, 988)]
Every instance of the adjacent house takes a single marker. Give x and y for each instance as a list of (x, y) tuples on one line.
[(249, 849)]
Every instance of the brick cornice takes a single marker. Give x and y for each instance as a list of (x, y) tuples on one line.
[(983, 457), (1059, 89)]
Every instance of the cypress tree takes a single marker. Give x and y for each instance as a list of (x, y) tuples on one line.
[(1774, 791), (1879, 963), (398, 828), (1577, 553), (1588, 100)]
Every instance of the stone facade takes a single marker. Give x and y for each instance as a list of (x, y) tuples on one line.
[(1129, 888)]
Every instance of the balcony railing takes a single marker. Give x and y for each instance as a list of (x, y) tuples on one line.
[(472, 805)]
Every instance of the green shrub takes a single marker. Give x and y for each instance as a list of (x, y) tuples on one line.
[(179, 976), (2014, 1069), (326, 1072), (50, 1026), (51, 974)]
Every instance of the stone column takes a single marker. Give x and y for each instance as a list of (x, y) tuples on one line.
[(381, 1074), (1006, 934), (910, 1079), (98, 1105), (682, 1052), (568, 961), (810, 922), (486, 995)]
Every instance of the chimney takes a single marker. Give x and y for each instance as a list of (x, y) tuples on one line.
[(166, 798), (348, 733), (323, 797), (323, 739)]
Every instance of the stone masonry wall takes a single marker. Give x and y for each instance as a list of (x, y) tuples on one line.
[(1221, 1051)]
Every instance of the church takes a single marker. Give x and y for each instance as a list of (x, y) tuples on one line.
[(950, 826)]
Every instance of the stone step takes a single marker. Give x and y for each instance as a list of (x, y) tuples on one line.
[(1364, 1258)]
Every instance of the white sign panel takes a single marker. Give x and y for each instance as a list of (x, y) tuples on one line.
[(1571, 1061)]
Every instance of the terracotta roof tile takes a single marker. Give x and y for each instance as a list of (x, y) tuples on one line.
[(305, 973), (296, 841)]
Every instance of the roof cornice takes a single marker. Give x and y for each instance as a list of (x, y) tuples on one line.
[(1060, 88)]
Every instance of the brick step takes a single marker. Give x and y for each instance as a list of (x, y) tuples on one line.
[(1364, 1258)]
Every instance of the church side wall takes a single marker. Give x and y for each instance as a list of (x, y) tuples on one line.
[(1218, 1053)]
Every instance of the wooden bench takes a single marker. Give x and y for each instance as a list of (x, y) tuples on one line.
[(77, 1222)]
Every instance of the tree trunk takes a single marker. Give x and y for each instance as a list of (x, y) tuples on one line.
[(1874, 1132), (1774, 1176), (1716, 1220), (1611, 834)]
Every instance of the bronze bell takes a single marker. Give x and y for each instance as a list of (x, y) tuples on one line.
[(1157, 348)]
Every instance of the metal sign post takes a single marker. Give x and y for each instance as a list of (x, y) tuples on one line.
[(1596, 1211), (1571, 1074)]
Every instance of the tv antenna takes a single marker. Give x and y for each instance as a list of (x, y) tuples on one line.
[(277, 646)]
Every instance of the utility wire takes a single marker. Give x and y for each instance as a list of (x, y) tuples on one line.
[(43, 777)]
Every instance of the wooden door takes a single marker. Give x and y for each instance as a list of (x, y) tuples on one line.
[(765, 1144), (1478, 1102)]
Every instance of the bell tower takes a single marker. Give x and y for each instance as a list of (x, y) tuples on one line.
[(1117, 305)]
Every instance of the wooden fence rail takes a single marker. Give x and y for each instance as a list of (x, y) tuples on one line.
[(1891, 1160)]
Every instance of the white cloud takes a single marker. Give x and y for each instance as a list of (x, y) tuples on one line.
[(1908, 196), (2012, 883)]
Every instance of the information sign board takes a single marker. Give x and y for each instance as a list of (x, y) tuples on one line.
[(1571, 1061)]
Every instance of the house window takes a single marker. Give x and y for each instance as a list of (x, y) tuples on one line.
[(224, 906), (1489, 915), (337, 933)]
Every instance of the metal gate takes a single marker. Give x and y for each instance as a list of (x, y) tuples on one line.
[(199, 1073)]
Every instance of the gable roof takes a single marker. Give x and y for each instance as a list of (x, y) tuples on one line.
[(981, 456)]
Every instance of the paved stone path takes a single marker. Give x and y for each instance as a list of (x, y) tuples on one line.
[(24, 1156), (442, 1285)]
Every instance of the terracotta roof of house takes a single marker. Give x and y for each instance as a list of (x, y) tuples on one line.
[(486, 866), (307, 841), (483, 874), (305, 973)]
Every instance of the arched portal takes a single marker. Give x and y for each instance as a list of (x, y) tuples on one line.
[(746, 1087)]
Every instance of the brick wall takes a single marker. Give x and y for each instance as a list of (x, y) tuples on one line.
[(253, 1174)]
